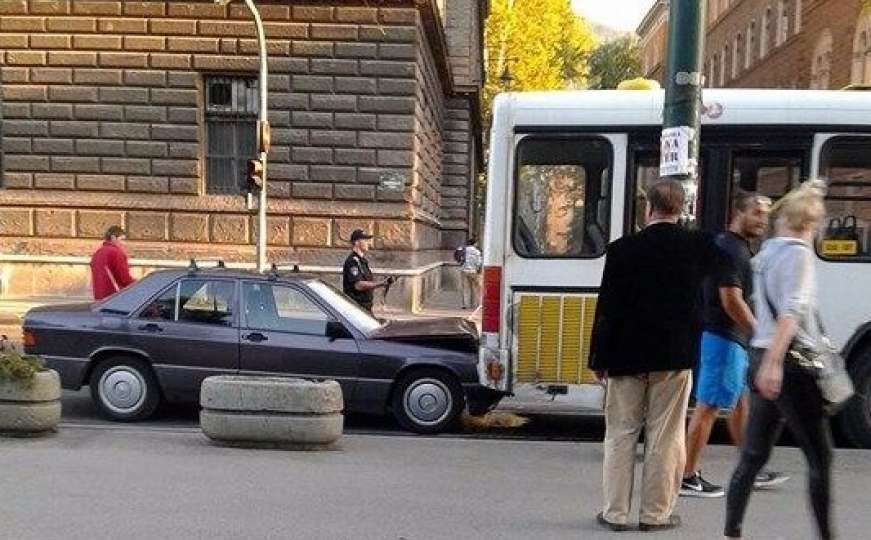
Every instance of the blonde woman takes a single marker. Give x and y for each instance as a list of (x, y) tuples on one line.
[(784, 391)]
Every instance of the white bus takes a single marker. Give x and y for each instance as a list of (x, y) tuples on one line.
[(567, 174)]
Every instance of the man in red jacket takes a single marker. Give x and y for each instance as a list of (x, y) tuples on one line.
[(109, 270)]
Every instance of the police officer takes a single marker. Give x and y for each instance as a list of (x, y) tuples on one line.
[(357, 279)]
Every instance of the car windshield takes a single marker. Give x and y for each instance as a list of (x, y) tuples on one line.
[(361, 319)]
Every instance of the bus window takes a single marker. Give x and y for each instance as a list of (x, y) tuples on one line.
[(562, 205), (768, 173), (647, 174), (846, 166)]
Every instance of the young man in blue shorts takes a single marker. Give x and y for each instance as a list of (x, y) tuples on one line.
[(728, 327)]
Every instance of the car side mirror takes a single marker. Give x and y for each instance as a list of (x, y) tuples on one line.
[(337, 330)]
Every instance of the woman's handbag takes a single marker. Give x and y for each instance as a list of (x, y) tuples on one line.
[(824, 363)]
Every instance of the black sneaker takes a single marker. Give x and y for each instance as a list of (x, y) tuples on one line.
[(673, 523), (696, 486), (769, 479)]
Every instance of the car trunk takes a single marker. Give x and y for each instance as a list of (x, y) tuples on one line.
[(452, 333)]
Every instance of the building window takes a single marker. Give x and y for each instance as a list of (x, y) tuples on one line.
[(798, 9), (782, 23), (232, 104), (821, 68), (715, 70), (751, 45), (726, 61), (563, 188), (766, 33), (738, 55), (861, 73)]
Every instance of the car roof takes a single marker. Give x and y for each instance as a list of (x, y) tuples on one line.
[(132, 298)]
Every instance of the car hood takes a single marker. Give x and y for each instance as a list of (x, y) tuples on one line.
[(453, 333)]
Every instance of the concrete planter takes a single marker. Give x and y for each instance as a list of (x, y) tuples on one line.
[(30, 410), (271, 412)]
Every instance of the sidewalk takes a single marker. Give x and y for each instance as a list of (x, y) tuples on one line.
[(172, 484)]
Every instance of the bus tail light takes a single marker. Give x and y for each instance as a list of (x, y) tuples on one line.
[(28, 338), (491, 303)]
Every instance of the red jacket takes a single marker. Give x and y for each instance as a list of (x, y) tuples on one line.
[(109, 270)]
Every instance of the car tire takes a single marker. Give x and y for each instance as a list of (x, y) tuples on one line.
[(427, 401), (125, 389), (855, 419)]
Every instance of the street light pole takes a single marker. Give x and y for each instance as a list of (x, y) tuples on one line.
[(263, 137), (683, 97)]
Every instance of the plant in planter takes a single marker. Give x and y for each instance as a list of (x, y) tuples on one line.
[(29, 395)]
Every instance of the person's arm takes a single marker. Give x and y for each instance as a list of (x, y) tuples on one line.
[(363, 286), (732, 300), (119, 269), (794, 271)]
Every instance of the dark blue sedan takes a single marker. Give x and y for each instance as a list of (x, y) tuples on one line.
[(160, 338)]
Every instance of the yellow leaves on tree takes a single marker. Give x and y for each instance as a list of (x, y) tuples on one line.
[(543, 43)]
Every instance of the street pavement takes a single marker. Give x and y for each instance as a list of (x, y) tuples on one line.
[(138, 482)]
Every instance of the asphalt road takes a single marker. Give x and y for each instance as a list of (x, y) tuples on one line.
[(140, 483)]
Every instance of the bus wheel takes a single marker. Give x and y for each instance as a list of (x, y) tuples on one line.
[(856, 418)]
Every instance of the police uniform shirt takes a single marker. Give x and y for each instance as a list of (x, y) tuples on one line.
[(356, 269)]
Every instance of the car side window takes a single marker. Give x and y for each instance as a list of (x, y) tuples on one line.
[(163, 307), (206, 302), (282, 309)]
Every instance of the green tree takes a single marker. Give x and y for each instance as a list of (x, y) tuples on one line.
[(543, 42), (614, 62)]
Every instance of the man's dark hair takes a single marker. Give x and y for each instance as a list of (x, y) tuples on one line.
[(744, 201), (667, 197), (114, 230), (472, 241)]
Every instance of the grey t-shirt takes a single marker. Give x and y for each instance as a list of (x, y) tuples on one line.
[(785, 278)]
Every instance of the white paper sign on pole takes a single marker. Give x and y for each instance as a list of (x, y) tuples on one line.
[(675, 152)]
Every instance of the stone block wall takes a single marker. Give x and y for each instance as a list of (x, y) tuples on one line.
[(103, 123)]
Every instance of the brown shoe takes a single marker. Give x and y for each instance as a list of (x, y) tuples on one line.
[(673, 522), (614, 527)]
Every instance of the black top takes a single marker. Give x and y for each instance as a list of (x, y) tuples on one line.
[(356, 269), (648, 316), (737, 272)]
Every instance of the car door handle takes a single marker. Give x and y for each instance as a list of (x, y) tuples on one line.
[(151, 327), (255, 337)]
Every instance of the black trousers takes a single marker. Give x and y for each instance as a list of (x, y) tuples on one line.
[(800, 408)]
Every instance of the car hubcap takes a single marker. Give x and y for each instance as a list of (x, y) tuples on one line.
[(428, 401), (122, 389)]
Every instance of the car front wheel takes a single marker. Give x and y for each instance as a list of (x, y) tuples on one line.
[(125, 389), (427, 401)]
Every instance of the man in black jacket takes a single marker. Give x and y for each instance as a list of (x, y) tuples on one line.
[(645, 343)]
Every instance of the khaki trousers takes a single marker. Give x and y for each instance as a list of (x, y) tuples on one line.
[(658, 403)]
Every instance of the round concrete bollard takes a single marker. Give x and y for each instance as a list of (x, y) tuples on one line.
[(271, 411), (33, 409)]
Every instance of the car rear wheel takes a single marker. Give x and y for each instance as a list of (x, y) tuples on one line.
[(427, 401), (125, 389), (855, 419)]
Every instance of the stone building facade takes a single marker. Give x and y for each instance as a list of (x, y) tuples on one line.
[(822, 44), (141, 114)]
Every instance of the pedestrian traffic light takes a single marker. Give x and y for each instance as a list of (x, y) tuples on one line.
[(255, 175)]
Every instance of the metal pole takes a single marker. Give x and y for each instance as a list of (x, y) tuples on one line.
[(683, 96), (262, 119)]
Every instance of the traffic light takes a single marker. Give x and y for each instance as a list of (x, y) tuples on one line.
[(254, 177)]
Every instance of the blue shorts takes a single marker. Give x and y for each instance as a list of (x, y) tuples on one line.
[(722, 376)]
